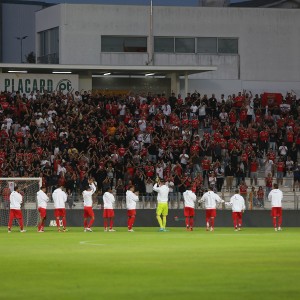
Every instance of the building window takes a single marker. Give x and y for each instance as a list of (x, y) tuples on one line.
[(184, 45), (123, 44), (228, 45), (207, 45), (48, 42), (162, 44), (48, 46)]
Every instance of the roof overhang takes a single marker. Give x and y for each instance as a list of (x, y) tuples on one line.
[(89, 70)]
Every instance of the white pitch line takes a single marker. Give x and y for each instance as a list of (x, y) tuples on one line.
[(89, 243)]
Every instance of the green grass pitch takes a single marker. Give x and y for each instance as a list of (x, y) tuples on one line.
[(256, 263)]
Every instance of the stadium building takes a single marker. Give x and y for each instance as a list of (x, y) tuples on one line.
[(181, 49)]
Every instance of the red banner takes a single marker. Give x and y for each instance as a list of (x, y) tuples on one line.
[(271, 99)]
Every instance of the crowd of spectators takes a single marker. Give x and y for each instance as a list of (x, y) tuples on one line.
[(129, 139)]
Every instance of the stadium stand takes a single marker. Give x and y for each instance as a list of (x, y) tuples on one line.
[(134, 138)]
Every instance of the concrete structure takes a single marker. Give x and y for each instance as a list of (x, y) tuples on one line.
[(268, 41), (266, 57)]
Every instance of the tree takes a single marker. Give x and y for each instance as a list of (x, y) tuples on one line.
[(30, 58)]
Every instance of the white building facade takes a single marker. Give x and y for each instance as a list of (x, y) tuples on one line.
[(253, 48)]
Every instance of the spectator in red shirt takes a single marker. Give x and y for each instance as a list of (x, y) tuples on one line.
[(260, 196), (264, 140)]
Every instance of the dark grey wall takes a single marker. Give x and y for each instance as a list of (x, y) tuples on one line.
[(1, 25), (146, 218), (18, 20), (138, 85)]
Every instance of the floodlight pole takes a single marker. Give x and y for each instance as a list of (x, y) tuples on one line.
[(21, 38)]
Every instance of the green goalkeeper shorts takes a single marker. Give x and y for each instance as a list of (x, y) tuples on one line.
[(162, 209)]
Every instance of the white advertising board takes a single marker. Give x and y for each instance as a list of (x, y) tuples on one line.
[(27, 83)]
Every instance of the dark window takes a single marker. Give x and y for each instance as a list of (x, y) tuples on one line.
[(162, 44), (228, 45), (184, 45), (207, 45), (123, 44)]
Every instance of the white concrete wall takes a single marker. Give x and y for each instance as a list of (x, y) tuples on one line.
[(50, 18), (84, 25), (123, 59), (228, 87), (228, 65), (269, 40)]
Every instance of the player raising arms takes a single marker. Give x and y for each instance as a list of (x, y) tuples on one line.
[(88, 205), (15, 212), (237, 203), (60, 198), (189, 198), (131, 200), (108, 212), (210, 200), (276, 196), (162, 198), (42, 200)]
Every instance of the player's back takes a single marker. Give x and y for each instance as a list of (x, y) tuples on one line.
[(210, 200), (42, 199), (189, 199), (59, 198), (275, 196), (15, 200), (238, 203), (108, 200), (131, 199), (87, 198)]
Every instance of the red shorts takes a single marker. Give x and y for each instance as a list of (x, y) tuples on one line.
[(108, 213), (189, 212), (59, 212), (88, 212), (276, 212), (236, 215), (131, 212), (211, 213), (15, 214), (42, 212)]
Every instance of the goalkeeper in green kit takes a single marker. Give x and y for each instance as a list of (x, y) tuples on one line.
[(162, 203)]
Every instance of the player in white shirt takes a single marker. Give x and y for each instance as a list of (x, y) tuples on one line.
[(237, 203), (108, 211), (210, 199), (60, 198), (42, 200), (88, 212), (162, 199), (276, 196), (189, 198), (131, 199), (15, 211)]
